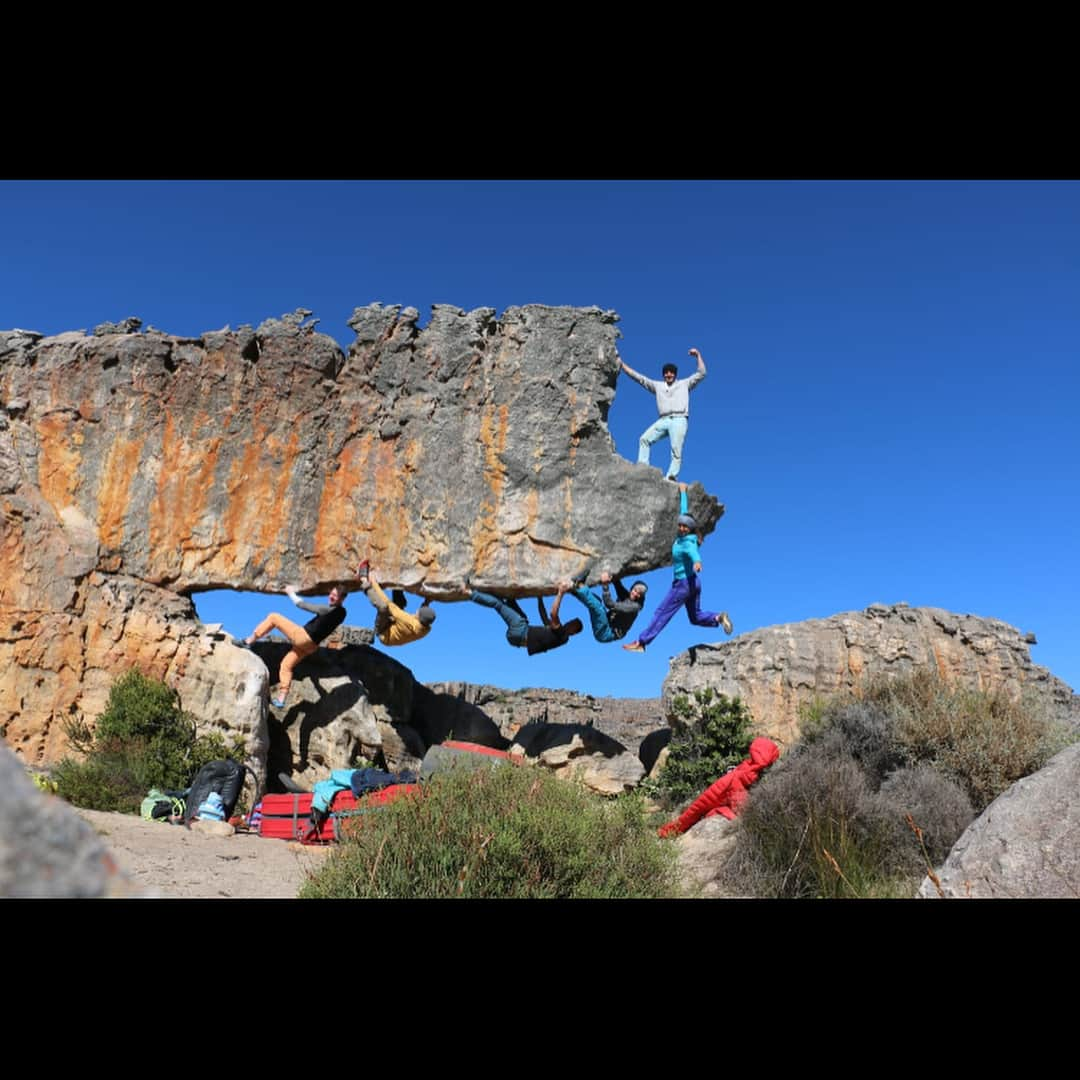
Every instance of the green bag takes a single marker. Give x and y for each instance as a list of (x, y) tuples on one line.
[(157, 806)]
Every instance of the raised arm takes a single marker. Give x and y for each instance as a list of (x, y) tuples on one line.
[(315, 609), (621, 592), (691, 540), (554, 621), (637, 377), (700, 373)]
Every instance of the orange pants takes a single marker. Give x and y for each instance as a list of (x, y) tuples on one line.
[(302, 645)]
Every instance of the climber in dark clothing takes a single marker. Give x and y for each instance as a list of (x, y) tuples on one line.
[(304, 639), (536, 639), (611, 618)]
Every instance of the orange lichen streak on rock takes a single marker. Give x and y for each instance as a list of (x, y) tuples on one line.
[(180, 500), (114, 500), (341, 530), (362, 507), (487, 536), (60, 460)]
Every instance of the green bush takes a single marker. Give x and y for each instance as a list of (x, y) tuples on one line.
[(505, 832), (712, 733), (143, 739)]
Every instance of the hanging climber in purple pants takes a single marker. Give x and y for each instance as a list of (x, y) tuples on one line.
[(685, 589)]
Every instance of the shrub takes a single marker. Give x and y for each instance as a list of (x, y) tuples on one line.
[(865, 731), (985, 741), (811, 827), (143, 739), (938, 805), (832, 818), (712, 733), (102, 782), (511, 832)]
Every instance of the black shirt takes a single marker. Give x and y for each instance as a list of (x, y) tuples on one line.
[(325, 623), (542, 638)]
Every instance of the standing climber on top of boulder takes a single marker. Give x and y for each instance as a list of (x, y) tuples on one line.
[(673, 405)]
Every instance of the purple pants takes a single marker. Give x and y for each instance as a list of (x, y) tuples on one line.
[(683, 591)]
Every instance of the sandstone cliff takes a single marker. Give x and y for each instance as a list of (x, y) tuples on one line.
[(777, 669), (137, 468)]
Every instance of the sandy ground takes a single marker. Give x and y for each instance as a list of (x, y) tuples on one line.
[(173, 862)]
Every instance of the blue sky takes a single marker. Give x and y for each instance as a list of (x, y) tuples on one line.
[(890, 410)]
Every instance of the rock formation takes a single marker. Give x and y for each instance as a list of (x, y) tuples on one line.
[(358, 701), (703, 852), (46, 849), (138, 468), (777, 669), (629, 720), (1025, 844)]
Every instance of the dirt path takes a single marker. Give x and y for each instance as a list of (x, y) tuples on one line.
[(171, 861)]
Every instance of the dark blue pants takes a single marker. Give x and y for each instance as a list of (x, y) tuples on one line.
[(517, 626)]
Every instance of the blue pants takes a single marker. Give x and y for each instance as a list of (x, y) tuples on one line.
[(684, 592), (601, 628), (667, 427), (517, 626)]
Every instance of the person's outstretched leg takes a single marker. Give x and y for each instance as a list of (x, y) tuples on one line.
[(704, 618), (671, 603), (285, 676), (517, 626), (297, 635), (302, 646), (377, 597)]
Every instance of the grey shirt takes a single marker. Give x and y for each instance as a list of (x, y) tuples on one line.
[(621, 613), (673, 400)]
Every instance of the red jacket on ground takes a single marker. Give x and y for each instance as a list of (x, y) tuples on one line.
[(728, 794)]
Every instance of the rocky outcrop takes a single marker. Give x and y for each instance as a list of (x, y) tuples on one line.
[(137, 468), (59, 657), (582, 753), (1025, 844), (778, 669), (46, 850), (628, 720), (344, 704), (357, 701), (606, 744), (703, 852)]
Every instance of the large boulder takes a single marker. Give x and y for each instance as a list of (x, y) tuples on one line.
[(137, 468), (1026, 843), (579, 752), (46, 849), (344, 704), (778, 669), (703, 852), (629, 720)]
